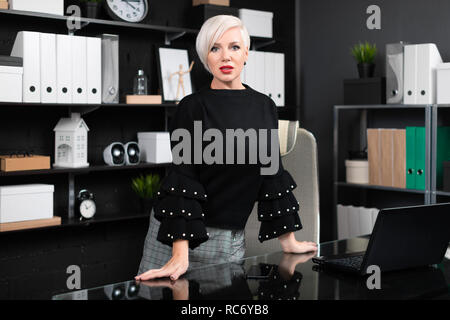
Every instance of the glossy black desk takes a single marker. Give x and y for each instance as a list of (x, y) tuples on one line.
[(293, 277)]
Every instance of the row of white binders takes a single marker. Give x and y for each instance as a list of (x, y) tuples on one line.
[(60, 68), (355, 221), (264, 72)]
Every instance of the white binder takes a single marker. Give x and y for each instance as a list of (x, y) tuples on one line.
[(428, 58), (354, 225), (410, 73), (374, 216), (365, 221), (269, 74), (421, 61), (26, 46), (94, 70), (255, 70), (48, 67), (63, 68), (243, 78), (79, 69), (342, 220), (250, 70), (279, 80)]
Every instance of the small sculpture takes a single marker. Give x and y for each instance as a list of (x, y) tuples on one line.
[(180, 74)]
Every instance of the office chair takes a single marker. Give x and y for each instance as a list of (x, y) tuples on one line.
[(298, 150)]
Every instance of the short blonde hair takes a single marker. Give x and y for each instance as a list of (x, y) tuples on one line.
[(212, 29)]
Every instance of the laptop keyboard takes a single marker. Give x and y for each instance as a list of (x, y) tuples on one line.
[(353, 262)]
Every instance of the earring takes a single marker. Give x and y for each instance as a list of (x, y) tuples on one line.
[(245, 63)]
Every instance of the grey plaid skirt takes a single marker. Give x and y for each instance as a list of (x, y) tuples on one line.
[(222, 246)]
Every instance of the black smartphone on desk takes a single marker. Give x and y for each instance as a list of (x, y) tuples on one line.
[(259, 272)]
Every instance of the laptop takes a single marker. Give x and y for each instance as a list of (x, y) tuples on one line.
[(402, 238)]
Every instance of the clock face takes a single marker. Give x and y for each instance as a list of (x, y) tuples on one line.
[(127, 10), (87, 208)]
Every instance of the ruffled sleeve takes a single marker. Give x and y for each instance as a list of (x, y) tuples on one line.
[(179, 202), (277, 206)]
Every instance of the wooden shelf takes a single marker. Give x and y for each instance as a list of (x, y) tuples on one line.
[(383, 188), (74, 222)]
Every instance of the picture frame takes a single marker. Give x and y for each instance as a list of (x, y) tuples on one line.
[(168, 60)]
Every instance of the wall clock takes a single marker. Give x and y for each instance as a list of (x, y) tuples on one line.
[(127, 10)]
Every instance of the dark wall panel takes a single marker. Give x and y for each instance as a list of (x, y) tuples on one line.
[(328, 30)]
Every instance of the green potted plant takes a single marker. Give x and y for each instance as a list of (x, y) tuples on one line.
[(91, 8), (146, 188), (364, 54)]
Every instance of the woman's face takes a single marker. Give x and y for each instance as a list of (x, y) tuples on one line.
[(226, 59)]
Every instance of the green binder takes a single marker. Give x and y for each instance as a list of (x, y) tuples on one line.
[(420, 158), (442, 152), (410, 157), (415, 156)]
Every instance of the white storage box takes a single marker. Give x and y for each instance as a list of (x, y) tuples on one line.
[(26, 202), (258, 23), (11, 84), (443, 83), (43, 6), (357, 171), (155, 147)]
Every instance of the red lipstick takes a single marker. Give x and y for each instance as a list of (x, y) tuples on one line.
[(226, 69)]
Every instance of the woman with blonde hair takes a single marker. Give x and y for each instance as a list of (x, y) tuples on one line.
[(201, 210)]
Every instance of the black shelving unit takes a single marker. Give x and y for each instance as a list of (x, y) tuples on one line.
[(435, 115), (170, 34), (80, 223), (362, 115)]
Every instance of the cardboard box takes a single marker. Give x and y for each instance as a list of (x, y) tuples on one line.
[(26, 202), (14, 163), (365, 91), (11, 75), (258, 23), (214, 2), (155, 147), (43, 6), (4, 4), (143, 99)]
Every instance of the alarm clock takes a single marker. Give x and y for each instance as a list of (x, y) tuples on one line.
[(85, 204), (127, 10)]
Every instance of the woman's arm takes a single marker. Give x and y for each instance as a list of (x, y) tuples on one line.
[(175, 267), (291, 245)]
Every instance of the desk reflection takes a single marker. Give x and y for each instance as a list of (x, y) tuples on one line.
[(292, 277)]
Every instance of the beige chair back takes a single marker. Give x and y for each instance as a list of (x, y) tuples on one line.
[(298, 148)]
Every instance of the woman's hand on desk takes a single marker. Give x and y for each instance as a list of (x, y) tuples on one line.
[(180, 287), (291, 245), (175, 267), (289, 262)]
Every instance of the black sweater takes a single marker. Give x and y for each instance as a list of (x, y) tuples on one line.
[(193, 196)]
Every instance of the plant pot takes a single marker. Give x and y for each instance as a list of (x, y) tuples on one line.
[(92, 9), (366, 70), (146, 205)]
